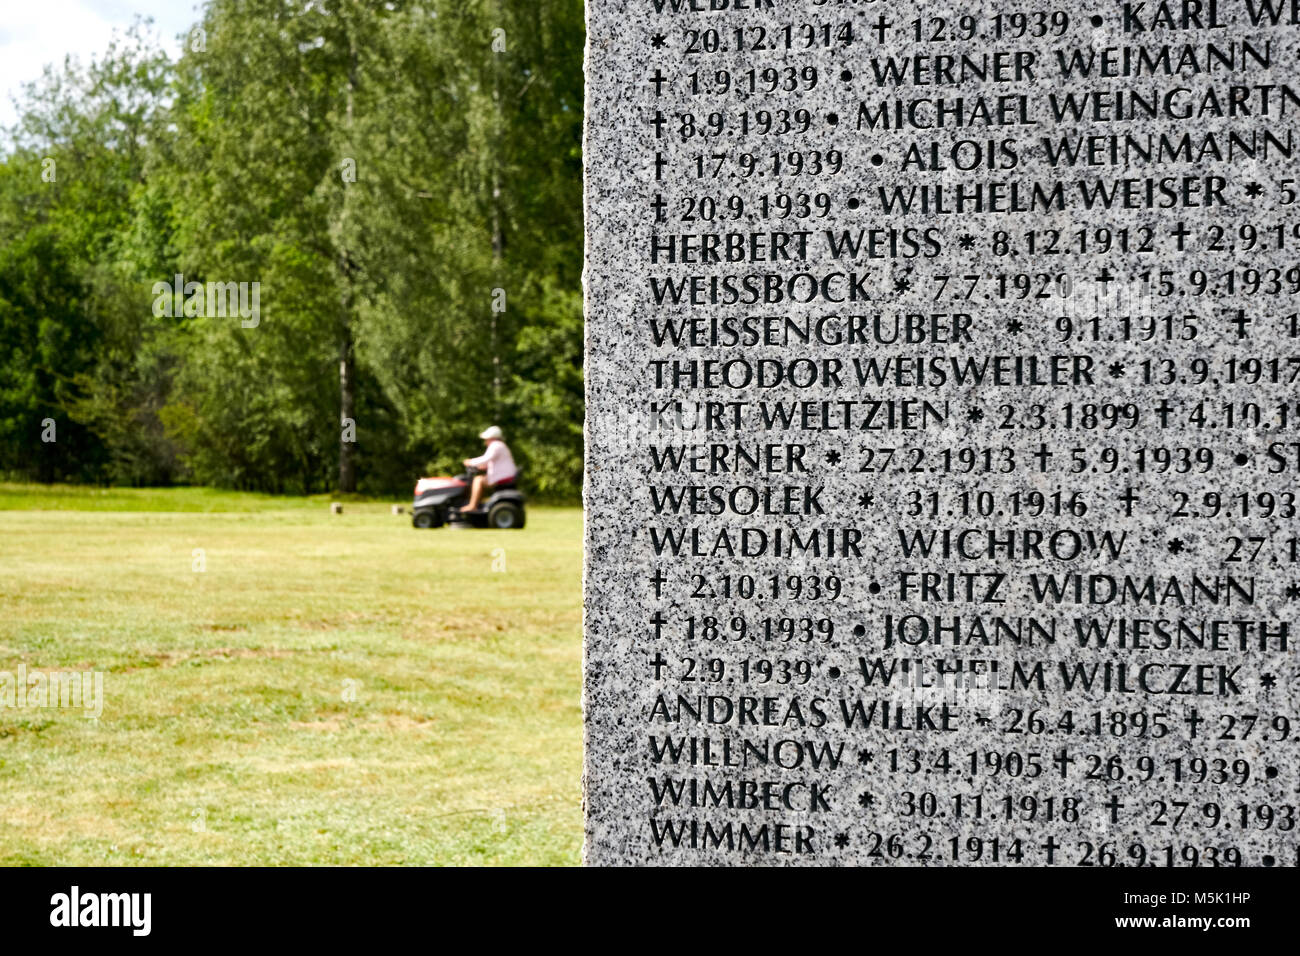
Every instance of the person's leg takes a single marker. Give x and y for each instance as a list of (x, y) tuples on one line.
[(475, 492)]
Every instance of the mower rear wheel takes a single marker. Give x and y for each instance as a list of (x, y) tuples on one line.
[(425, 519), (504, 515)]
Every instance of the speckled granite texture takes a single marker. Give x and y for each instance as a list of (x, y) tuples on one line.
[(1056, 334)]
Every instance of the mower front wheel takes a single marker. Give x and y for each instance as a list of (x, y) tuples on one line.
[(425, 519)]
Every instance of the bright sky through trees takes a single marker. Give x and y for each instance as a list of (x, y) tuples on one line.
[(34, 34)]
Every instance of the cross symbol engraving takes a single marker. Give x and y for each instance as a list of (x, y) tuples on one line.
[(1051, 846), (1181, 234), (660, 163), (1063, 761), (1043, 456), (1114, 806), (1128, 497), (658, 579), (1241, 321), (659, 663), (1164, 410)]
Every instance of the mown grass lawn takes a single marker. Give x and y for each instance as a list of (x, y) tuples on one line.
[(284, 686)]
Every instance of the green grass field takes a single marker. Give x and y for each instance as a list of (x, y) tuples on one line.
[(287, 687)]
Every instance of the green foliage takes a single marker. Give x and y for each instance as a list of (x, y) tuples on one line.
[(46, 334), (402, 180), (78, 340)]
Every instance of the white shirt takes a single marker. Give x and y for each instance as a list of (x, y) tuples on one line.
[(499, 462)]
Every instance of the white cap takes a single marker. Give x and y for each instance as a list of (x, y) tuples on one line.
[(492, 433)]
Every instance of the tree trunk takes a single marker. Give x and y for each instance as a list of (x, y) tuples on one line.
[(498, 239), (347, 409), (347, 276)]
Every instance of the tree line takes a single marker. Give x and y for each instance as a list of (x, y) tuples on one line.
[(321, 249)]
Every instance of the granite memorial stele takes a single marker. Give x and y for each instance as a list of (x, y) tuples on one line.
[(943, 433)]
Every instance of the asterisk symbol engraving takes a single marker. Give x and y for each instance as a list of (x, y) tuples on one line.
[(1254, 190), (966, 241), (658, 41), (975, 414), (841, 840), (864, 756), (866, 800), (833, 457), (1268, 681), (1176, 546), (1293, 593), (1015, 326), (865, 500), (1116, 370), (901, 285)]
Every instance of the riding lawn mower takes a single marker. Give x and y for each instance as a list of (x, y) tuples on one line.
[(438, 500)]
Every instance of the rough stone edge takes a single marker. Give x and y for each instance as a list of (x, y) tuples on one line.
[(587, 365)]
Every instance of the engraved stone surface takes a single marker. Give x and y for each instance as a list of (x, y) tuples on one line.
[(943, 433)]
